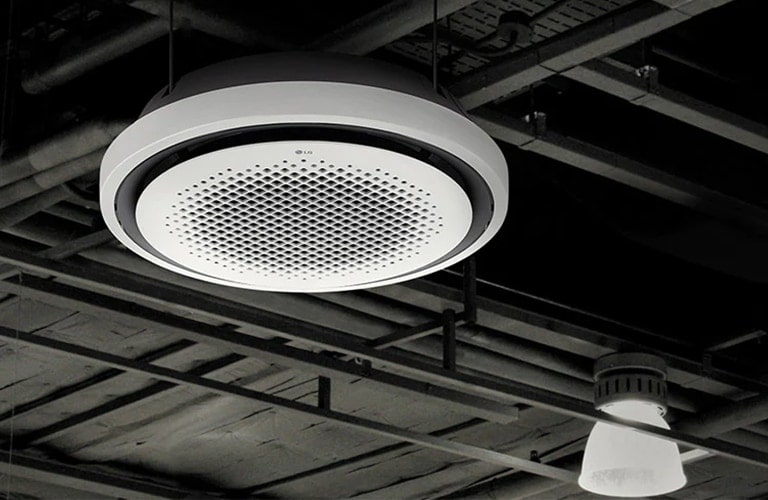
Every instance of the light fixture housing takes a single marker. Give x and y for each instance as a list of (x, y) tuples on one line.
[(620, 461), (303, 173)]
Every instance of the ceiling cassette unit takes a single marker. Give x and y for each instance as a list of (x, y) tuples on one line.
[(303, 173)]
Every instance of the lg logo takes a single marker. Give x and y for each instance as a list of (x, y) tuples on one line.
[(303, 152)]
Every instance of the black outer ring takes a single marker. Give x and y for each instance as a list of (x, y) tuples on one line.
[(143, 174)]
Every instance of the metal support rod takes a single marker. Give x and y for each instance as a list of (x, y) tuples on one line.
[(324, 393), (434, 46), (449, 340), (171, 54), (176, 377)]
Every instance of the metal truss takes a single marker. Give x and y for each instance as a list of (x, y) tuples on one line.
[(424, 373)]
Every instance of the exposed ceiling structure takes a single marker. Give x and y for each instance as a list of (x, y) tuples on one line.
[(636, 134)]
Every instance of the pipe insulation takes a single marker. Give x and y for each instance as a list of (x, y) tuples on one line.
[(66, 146), (56, 176), (202, 18), (361, 36), (79, 59)]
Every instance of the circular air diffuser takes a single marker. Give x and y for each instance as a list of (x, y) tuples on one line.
[(299, 172)]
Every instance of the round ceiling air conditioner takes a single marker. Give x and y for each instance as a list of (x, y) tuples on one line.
[(303, 173)]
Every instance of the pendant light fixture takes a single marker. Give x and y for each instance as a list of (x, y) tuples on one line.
[(620, 461)]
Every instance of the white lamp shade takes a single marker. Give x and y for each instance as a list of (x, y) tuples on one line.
[(622, 462)]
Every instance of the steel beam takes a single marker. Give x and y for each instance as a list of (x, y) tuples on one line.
[(586, 327), (564, 54), (692, 7), (430, 376), (22, 210), (737, 340), (88, 480), (610, 77), (389, 431), (576, 46), (727, 417), (460, 400), (620, 169), (77, 245), (406, 334), (384, 25)]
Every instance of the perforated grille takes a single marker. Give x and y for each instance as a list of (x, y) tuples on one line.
[(612, 388), (304, 220), (327, 216)]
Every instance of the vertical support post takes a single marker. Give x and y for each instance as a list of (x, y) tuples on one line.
[(449, 339), (706, 364), (470, 290), (324, 393)]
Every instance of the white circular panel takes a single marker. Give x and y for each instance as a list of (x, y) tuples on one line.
[(303, 215)]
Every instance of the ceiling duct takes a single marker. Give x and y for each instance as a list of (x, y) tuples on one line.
[(303, 172)]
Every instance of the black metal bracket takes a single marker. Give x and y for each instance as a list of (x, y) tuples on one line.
[(449, 339), (470, 290), (649, 74), (324, 393), (538, 122), (405, 335), (447, 323), (706, 364)]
